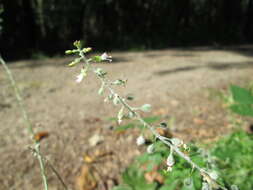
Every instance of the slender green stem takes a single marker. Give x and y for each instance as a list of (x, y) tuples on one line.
[(27, 122), (52, 168)]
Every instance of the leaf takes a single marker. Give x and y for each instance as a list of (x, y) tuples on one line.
[(88, 159), (242, 109), (125, 127), (96, 59), (154, 176), (151, 119), (86, 180), (188, 184), (41, 135), (134, 177), (241, 95)]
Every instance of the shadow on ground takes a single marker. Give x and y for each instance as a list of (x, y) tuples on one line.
[(211, 65), (245, 50)]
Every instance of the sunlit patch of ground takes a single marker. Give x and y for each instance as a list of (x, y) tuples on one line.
[(175, 82)]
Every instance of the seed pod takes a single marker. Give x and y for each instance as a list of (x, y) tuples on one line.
[(140, 140)]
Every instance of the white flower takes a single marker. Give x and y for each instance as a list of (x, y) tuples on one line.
[(150, 149), (106, 57), (169, 169), (205, 186), (214, 175), (170, 160), (79, 78), (177, 142), (140, 140)]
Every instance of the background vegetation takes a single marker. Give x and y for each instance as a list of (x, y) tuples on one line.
[(50, 26)]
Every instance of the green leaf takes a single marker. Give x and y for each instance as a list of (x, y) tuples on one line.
[(151, 119), (76, 61), (134, 178), (188, 184), (242, 109), (97, 59), (125, 127), (241, 95)]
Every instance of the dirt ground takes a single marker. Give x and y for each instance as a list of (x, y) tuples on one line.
[(180, 84)]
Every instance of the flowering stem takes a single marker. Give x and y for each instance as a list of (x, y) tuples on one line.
[(202, 171), (27, 121)]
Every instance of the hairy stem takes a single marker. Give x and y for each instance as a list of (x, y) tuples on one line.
[(202, 171)]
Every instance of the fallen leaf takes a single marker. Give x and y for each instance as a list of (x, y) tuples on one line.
[(41, 135), (88, 159), (164, 132), (154, 176), (96, 139), (86, 180)]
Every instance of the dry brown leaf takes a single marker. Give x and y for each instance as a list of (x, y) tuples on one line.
[(154, 176), (88, 159), (164, 132), (41, 135), (86, 181)]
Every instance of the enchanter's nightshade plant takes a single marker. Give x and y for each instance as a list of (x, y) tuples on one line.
[(176, 146)]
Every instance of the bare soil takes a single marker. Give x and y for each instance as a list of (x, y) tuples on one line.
[(179, 83)]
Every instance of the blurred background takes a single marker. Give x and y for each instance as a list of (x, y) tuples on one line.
[(181, 56), (50, 26)]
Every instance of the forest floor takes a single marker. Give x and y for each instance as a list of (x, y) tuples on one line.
[(182, 85)]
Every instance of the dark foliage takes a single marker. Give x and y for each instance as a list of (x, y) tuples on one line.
[(50, 26)]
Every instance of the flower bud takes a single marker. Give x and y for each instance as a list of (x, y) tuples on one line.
[(170, 160), (86, 50), (177, 142), (140, 140), (68, 52), (77, 44), (106, 57), (213, 175), (150, 149), (205, 186)]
